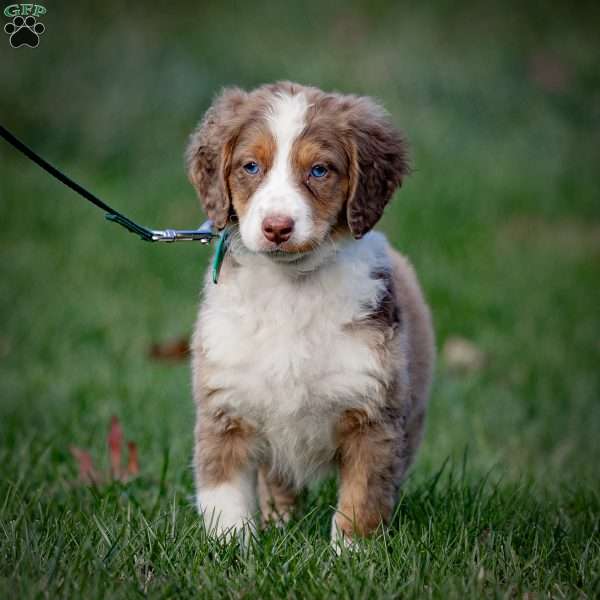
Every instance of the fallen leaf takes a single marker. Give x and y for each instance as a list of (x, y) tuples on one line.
[(173, 350), (115, 442), (87, 472), (133, 467), (549, 72)]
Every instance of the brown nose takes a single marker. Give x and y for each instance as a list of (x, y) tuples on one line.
[(278, 229)]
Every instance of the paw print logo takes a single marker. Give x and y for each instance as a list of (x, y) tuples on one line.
[(24, 31)]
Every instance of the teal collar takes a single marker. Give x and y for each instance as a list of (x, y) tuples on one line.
[(222, 246)]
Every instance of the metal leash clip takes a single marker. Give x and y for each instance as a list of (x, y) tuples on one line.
[(204, 234)]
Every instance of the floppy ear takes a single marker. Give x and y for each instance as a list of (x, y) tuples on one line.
[(208, 154), (378, 164)]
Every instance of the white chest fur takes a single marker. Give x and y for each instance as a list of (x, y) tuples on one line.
[(280, 351)]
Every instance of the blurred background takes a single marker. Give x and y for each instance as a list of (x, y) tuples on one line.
[(501, 104)]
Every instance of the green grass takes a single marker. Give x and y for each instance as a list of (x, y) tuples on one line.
[(501, 219)]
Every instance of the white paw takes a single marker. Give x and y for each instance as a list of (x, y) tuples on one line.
[(225, 525), (339, 540), (227, 511)]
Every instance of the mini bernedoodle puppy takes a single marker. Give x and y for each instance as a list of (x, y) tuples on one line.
[(315, 349)]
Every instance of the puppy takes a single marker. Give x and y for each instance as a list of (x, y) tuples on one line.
[(315, 349)]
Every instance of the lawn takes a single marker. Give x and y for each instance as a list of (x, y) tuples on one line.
[(501, 218)]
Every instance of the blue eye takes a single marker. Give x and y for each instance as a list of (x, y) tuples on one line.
[(251, 168), (318, 171)]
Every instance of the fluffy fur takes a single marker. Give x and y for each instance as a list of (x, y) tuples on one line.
[(314, 353)]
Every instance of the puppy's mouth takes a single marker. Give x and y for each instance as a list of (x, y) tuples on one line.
[(284, 256), (289, 252)]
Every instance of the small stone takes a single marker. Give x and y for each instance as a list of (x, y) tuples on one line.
[(462, 356)]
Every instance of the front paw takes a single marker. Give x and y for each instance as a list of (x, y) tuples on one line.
[(226, 526), (341, 538), (226, 512)]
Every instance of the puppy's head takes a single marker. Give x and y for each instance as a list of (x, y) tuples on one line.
[(295, 165)]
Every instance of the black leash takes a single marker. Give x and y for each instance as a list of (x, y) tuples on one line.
[(203, 234)]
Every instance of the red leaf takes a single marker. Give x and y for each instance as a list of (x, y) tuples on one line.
[(87, 473), (173, 350), (133, 467), (115, 442)]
